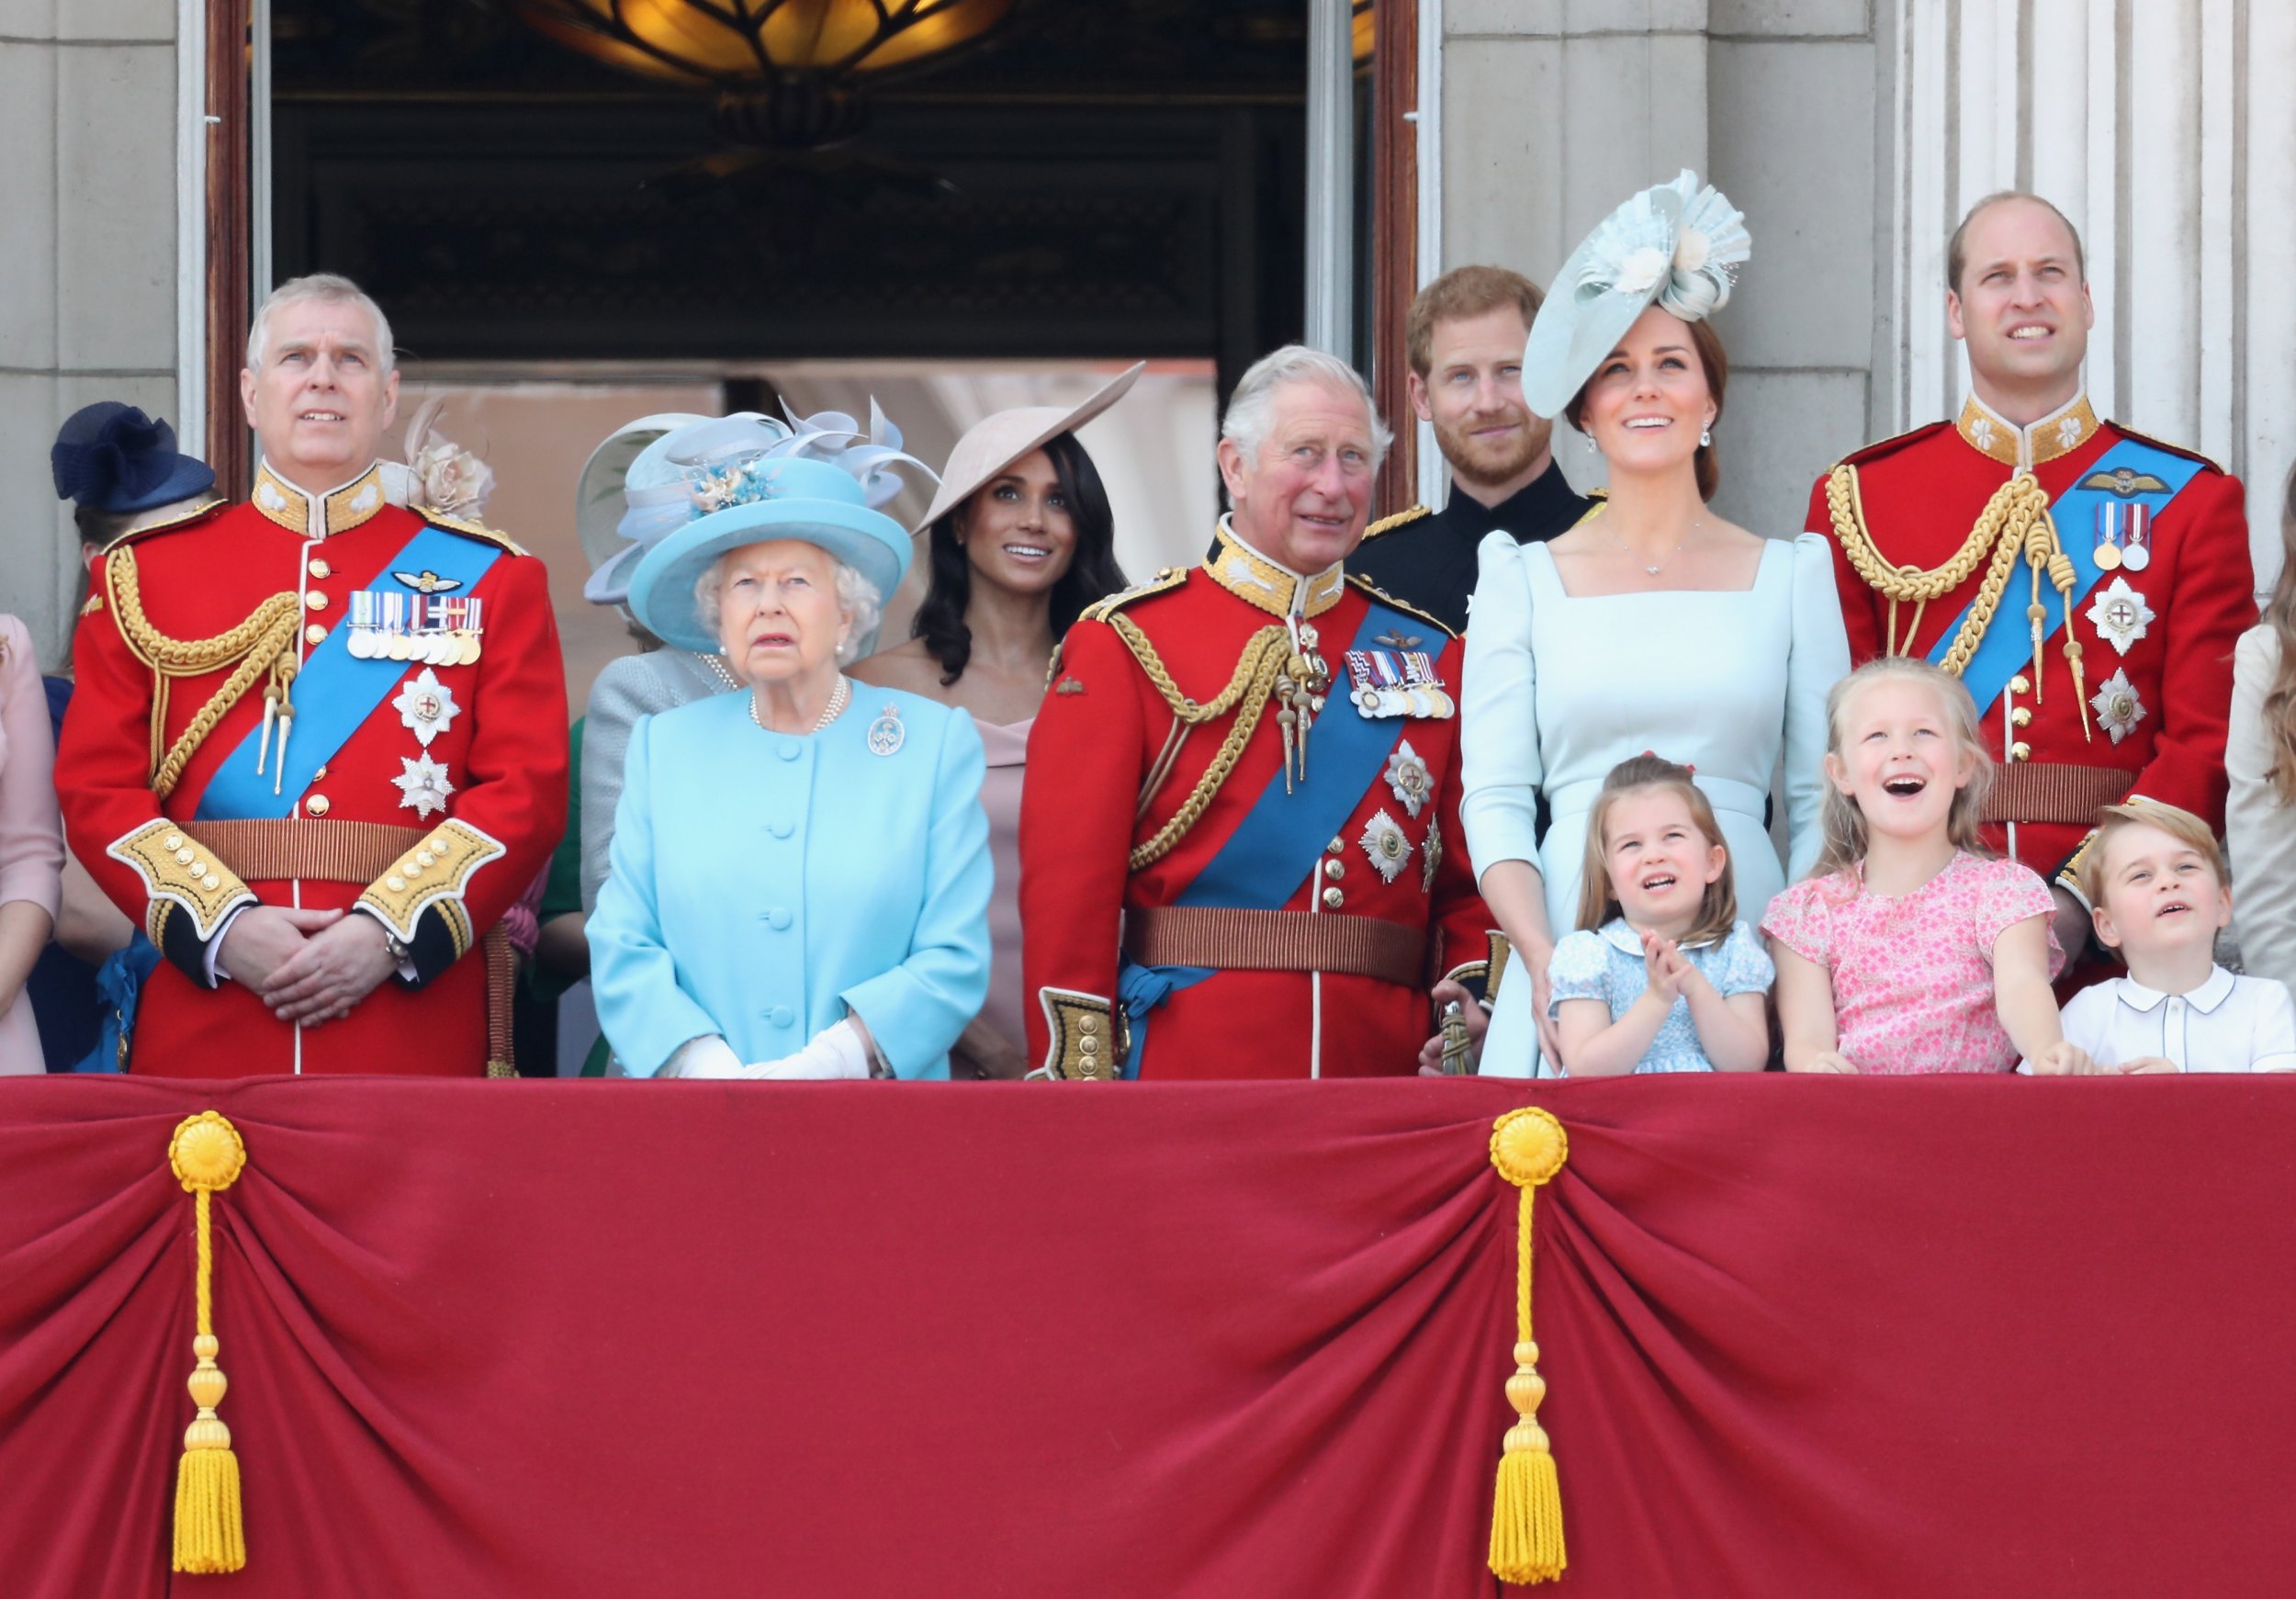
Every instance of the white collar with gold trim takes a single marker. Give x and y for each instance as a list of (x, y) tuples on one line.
[(308, 515), (1270, 585), (2060, 433)]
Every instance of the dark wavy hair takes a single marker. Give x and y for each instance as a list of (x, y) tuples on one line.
[(1092, 573)]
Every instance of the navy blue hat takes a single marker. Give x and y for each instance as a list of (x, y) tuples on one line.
[(111, 456)]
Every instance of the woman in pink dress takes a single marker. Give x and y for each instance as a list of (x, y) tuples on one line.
[(32, 843), (1021, 540), (1906, 952)]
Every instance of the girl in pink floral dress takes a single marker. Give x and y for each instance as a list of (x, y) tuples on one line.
[(1907, 950)]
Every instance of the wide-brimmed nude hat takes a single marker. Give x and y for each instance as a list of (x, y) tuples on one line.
[(995, 442)]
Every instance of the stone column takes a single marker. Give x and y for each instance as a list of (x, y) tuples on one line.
[(2140, 122), (87, 284)]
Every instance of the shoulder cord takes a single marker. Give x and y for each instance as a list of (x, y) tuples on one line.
[(263, 642), (2015, 521), (1249, 688)]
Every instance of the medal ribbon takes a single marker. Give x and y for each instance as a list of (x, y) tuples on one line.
[(2007, 647), (335, 692)]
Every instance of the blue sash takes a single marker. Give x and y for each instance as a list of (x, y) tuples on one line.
[(334, 694), (2008, 649), (1281, 839)]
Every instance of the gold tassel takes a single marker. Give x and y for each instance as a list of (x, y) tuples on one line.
[(206, 1155), (1528, 1147)]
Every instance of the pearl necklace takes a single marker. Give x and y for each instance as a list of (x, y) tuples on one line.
[(839, 697), (723, 671)]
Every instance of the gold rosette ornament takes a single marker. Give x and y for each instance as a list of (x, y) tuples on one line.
[(206, 1155), (1529, 1147)]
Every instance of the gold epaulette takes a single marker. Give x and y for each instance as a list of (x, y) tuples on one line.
[(1598, 500), (183, 516), (1386, 524), (2164, 445), (476, 530), (1170, 578), (1405, 606)]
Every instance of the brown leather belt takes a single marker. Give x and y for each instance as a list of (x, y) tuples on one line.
[(2054, 791), (1276, 941), (272, 852)]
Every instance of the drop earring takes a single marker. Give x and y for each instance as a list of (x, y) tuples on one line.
[(1706, 438)]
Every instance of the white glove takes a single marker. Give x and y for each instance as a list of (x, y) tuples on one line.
[(707, 1056), (835, 1054)]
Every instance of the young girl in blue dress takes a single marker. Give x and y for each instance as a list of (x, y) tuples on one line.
[(1661, 976)]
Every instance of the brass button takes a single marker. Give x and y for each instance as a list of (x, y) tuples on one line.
[(211, 882), (1087, 1024), (315, 601), (1335, 846), (438, 842), (1335, 870), (411, 868), (424, 858), (2021, 685), (172, 841), (314, 634), (321, 569), (182, 857), (396, 885), (1333, 899), (1088, 1045), (2020, 717), (316, 804), (319, 773), (2020, 750)]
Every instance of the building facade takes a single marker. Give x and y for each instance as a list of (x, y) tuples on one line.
[(1853, 133)]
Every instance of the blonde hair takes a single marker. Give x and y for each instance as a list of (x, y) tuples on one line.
[(1844, 822), (1598, 898), (2180, 825), (2280, 615)]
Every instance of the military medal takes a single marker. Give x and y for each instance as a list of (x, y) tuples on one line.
[(1407, 776), (2120, 615), (1397, 682), (425, 706), (361, 641), (2124, 535), (1431, 857), (1387, 845), (422, 784), (2117, 709), (886, 734)]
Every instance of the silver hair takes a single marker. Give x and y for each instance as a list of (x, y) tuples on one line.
[(857, 599), (1252, 408), (320, 286)]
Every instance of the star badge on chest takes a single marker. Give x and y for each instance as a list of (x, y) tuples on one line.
[(2117, 709), (1386, 843), (422, 784), (425, 706), (2120, 615), (1407, 776)]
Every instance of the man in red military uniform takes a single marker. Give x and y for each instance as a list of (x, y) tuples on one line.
[(318, 744), (1972, 543), (1240, 851)]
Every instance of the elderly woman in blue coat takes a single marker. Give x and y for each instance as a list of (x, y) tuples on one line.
[(800, 878)]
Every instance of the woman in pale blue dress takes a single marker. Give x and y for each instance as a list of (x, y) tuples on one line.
[(1654, 624)]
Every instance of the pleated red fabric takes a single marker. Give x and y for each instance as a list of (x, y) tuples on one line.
[(1837, 1337)]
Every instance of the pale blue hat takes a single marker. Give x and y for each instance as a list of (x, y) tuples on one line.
[(1678, 245), (746, 486)]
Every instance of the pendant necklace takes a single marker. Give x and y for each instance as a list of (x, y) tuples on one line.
[(1628, 549), (839, 697)]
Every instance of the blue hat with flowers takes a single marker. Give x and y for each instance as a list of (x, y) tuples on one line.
[(750, 480), (109, 456), (1678, 245)]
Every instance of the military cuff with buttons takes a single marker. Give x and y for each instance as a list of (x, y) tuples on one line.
[(1086, 1036), (420, 900), (193, 893)]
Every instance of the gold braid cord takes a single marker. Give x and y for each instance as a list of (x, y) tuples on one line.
[(264, 643), (1247, 694), (2014, 521)]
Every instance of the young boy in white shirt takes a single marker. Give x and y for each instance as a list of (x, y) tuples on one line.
[(2158, 891)]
